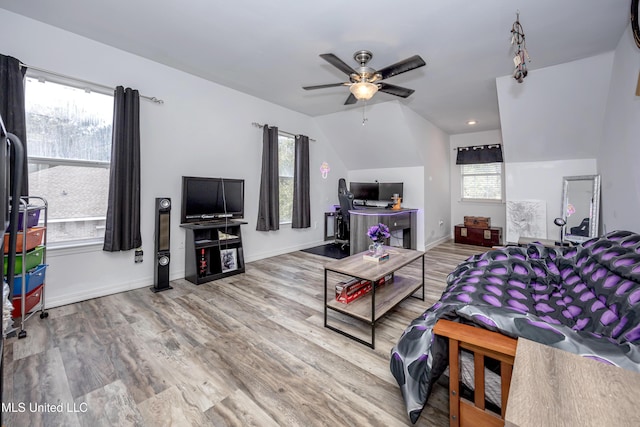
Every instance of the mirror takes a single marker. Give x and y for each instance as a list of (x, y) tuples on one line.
[(581, 207)]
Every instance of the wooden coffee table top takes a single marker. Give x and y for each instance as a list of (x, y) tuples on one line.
[(355, 266)]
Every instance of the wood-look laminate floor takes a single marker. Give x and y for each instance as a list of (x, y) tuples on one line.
[(248, 350)]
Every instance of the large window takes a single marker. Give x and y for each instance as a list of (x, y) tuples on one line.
[(482, 181), (286, 163), (69, 150)]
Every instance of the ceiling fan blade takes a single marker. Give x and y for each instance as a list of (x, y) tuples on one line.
[(402, 67), (350, 100), (395, 90), (338, 63), (325, 86)]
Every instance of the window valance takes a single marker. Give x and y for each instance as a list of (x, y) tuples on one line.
[(479, 154)]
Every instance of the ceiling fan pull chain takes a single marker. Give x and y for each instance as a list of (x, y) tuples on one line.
[(364, 118)]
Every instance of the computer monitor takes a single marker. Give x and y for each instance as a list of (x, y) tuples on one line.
[(386, 190), (364, 190)]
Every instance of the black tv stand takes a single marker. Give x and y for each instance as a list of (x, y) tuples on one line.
[(213, 250)]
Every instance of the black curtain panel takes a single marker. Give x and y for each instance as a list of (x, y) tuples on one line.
[(122, 231), (269, 203), (12, 108), (301, 217), (479, 154)]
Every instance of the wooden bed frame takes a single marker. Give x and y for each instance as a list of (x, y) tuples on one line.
[(481, 343)]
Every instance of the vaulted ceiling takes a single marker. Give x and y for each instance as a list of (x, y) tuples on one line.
[(270, 49)]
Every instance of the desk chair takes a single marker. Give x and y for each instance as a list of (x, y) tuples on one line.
[(582, 229), (346, 203)]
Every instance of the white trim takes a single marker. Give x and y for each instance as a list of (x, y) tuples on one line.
[(282, 251), (436, 243), (489, 201), (74, 247), (88, 294)]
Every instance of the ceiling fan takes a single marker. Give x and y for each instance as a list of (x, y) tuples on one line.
[(364, 81)]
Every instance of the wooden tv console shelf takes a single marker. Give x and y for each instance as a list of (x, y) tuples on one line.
[(213, 250)]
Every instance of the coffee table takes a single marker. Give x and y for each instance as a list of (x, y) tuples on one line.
[(381, 299)]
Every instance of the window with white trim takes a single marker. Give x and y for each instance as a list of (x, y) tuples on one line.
[(482, 181), (69, 153), (286, 165)]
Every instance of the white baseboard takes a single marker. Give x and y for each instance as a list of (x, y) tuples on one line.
[(70, 298), (281, 251), (436, 243)]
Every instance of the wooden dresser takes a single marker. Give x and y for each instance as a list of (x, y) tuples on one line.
[(478, 236)]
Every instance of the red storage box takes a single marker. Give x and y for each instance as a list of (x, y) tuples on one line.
[(34, 238), (34, 279), (31, 300), (354, 288)]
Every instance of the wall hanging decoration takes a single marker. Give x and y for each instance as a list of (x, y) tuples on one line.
[(324, 170), (518, 41), (634, 21)]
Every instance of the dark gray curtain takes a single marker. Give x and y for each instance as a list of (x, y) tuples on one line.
[(122, 231), (269, 203), (301, 207), (479, 154), (12, 107)]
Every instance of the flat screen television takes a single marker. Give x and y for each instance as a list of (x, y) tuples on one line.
[(386, 190), (208, 199), (364, 190)]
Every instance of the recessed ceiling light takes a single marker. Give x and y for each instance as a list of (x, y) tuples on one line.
[(472, 122)]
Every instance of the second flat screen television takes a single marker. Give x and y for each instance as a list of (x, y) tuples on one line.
[(206, 199), (386, 190)]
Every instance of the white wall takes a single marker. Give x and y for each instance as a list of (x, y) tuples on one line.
[(385, 140), (434, 146), (543, 181), (620, 149), (459, 209), (557, 113), (202, 129)]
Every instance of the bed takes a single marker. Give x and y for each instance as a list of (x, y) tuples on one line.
[(583, 299)]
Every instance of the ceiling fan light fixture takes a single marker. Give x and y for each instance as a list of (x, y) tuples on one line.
[(363, 91)]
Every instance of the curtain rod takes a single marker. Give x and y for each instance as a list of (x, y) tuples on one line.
[(475, 147), (53, 73), (258, 125)]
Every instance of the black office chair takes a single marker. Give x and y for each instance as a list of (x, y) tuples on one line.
[(346, 203), (582, 229)]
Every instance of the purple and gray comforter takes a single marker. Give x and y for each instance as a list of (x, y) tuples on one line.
[(583, 299)]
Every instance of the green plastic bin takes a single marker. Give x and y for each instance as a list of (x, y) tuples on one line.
[(33, 257)]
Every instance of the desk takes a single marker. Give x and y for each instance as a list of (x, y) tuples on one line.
[(552, 387), (404, 220)]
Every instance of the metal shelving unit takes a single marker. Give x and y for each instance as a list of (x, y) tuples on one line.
[(27, 205)]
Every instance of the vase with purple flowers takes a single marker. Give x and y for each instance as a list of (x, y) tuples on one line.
[(378, 234)]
